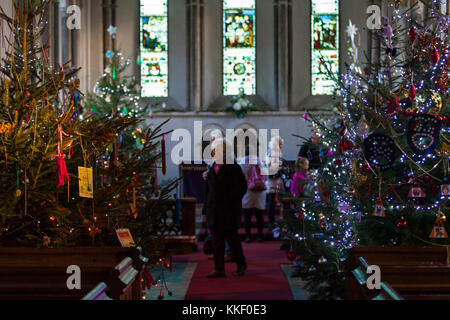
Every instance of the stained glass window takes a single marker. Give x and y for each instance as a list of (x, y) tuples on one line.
[(325, 45), (239, 47), (153, 48)]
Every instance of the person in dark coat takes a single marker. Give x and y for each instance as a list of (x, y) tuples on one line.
[(311, 151), (225, 188)]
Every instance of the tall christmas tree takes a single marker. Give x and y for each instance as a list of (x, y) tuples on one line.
[(57, 189), (383, 178)]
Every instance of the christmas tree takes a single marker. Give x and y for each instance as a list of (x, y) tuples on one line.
[(383, 176), (57, 187), (131, 162)]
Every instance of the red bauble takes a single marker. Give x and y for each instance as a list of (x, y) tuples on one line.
[(412, 92), (301, 215), (365, 169), (402, 224), (392, 106), (338, 162), (412, 34), (434, 57), (291, 255)]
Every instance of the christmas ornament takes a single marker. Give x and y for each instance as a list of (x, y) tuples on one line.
[(439, 231), (380, 151), (301, 215), (423, 133), (434, 57), (46, 241), (362, 128), (412, 34), (416, 191), (445, 187), (342, 129), (386, 31), (61, 169), (324, 226), (437, 104), (412, 92), (379, 209), (392, 106), (305, 115), (291, 255), (365, 168), (402, 223)]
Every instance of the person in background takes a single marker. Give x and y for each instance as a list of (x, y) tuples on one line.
[(274, 183), (217, 134), (254, 200), (311, 151), (225, 188), (301, 177)]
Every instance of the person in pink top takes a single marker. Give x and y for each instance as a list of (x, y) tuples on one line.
[(301, 177)]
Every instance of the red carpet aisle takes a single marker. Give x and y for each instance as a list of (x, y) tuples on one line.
[(264, 279)]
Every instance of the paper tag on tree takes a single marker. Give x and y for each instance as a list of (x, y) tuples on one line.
[(379, 209), (85, 182), (125, 238), (439, 231)]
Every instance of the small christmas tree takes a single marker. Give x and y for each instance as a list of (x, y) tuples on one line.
[(130, 164)]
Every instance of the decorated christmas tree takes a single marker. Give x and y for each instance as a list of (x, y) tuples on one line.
[(383, 173), (131, 161), (64, 179)]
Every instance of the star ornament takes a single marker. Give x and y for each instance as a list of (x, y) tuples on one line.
[(351, 30), (112, 31)]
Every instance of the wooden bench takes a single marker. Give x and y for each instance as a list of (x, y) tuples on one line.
[(98, 293), (415, 273), (41, 273), (361, 290)]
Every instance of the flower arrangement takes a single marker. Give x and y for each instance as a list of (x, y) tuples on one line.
[(240, 105)]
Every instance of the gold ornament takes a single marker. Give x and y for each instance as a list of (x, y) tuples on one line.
[(362, 178), (436, 109), (5, 128), (401, 93)]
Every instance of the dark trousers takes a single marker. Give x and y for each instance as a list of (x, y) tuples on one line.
[(248, 221), (271, 207), (235, 245)]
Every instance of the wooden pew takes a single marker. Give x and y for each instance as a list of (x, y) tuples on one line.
[(358, 285), (387, 293), (98, 293), (418, 273), (41, 273)]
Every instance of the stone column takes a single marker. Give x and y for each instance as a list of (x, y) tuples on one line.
[(109, 19), (283, 53), (195, 51)]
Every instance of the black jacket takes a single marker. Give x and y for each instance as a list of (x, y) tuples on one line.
[(223, 199), (314, 157)]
